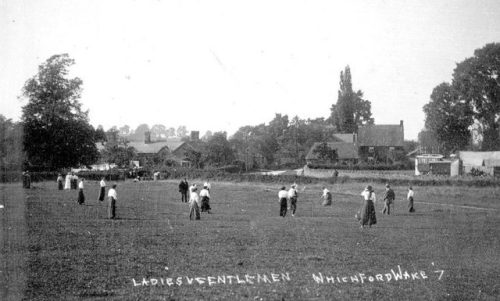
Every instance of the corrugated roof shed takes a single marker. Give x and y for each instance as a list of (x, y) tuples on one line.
[(381, 135), (478, 158)]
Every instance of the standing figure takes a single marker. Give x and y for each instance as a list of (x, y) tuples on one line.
[(205, 198), (410, 199), (102, 190), (67, 182), (60, 180), (26, 179), (389, 198), (283, 199), (81, 196), (74, 181), (367, 215), (183, 189), (292, 196), (194, 199), (327, 197), (113, 197)]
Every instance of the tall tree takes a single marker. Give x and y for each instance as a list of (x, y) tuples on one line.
[(351, 110), (477, 80), (11, 146), (218, 150), (159, 131), (57, 133), (182, 131), (448, 118)]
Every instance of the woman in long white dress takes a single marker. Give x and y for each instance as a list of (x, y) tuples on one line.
[(67, 183)]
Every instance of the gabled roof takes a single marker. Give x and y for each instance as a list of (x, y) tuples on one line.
[(381, 135), (344, 137), (150, 148), (344, 150)]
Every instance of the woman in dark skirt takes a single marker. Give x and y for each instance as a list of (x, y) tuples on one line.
[(102, 190), (205, 199), (81, 196), (60, 181), (367, 215)]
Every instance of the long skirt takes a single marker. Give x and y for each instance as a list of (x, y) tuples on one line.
[(60, 185), (410, 205), (205, 204), (283, 204), (67, 184), (293, 204), (81, 197), (112, 208), (367, 214), (194, 211), (102, 193), (327, 201)]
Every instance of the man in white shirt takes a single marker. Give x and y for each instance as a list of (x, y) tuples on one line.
[(102, 190), (410, 199), (113, 197), (283, 199), (292, 196)]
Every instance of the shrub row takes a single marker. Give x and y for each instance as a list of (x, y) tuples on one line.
[(220, 175), (400, 166)]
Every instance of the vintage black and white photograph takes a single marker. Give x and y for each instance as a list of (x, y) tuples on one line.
[(249, 150)]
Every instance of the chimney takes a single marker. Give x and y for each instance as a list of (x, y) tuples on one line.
[(401, 123), (354, 137), (195, 135), (112, 137), (147, 137)]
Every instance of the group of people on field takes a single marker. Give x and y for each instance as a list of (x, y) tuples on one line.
[(71, 182), (288, 200), (200, 202), (197, 202), (367, 215)]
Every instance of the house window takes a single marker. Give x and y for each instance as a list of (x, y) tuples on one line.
[(391, 148), (371, 149)]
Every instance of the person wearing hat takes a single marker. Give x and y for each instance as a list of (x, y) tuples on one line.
[(205, 198), (113, 197), (194, 199), (81, 196), (292, 196), (327, 197), (367, 215), (102, 190), (388, 198), (410, 199), (60, 180), (183, 189), (283, 199)]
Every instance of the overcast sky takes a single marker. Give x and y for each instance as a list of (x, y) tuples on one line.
[(220, 65)]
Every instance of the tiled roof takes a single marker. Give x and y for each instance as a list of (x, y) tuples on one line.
[(344, 150), (381, 135)]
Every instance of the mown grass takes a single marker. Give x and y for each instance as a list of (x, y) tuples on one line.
[(74, 253)]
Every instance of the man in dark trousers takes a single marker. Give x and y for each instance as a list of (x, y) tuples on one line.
[(183, 189), (389, 198)]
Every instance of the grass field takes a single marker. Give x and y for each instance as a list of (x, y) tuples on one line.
[(54, 249)]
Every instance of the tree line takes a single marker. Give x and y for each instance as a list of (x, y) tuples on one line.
[(55, 133)]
